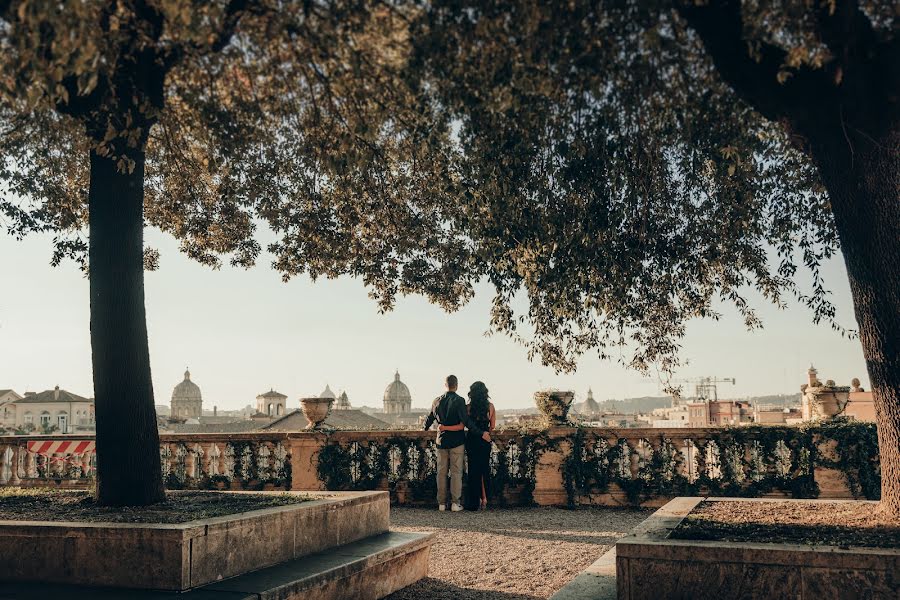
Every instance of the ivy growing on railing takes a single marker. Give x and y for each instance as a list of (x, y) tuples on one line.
[(517, 470), (246, 460), (856, 445), (407, 466), (739, 461)]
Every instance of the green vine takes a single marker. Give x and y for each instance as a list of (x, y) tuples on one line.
[(588, 470), (389, 464), (856, 445), (748, 461)]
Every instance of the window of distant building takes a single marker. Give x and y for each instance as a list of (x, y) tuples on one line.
[(45, 419), (29, 418)]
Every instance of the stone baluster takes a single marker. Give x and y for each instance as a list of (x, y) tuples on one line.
[(6, 462), (698, 440), (189, 463), (73, 469), (213, 454), (280, 458), (246, 463), (228, 462), (56, 465), (165, 455), (18, 460), (196, 457), (687, 448), (92, 462), (630, 457), (30, 465), (263, 464), (180, 468)]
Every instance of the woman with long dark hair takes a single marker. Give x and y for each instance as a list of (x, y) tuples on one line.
[(478, 451)]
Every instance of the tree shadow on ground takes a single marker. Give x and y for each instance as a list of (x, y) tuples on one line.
[(437, 589)]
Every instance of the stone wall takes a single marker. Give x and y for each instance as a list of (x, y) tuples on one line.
[(557, 466)]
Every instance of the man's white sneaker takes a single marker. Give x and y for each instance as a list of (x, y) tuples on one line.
[(442, 507), (456, 507)]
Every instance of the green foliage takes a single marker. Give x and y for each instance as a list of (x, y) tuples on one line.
[(173, 482), (590, 468), (857, 456), (368, 466), (333, 467), (586, 154)]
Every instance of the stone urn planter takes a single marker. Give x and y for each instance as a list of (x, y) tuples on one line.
[(554, 405), (316, 410)]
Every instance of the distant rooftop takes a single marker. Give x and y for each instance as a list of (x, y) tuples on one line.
[(54, 395), (339, 419)]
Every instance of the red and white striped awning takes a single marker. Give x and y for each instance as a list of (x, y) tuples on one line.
[(61, 447)]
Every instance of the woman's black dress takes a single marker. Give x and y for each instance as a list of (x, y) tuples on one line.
[(478, 456)]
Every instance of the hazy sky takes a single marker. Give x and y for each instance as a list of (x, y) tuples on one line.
[(242, 332)]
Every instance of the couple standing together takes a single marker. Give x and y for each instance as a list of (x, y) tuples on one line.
[(454, 417)]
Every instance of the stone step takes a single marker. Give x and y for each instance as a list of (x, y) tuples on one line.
[(597, 582), (368, 569)]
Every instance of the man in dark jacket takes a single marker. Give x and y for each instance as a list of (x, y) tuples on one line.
[(449, 410)]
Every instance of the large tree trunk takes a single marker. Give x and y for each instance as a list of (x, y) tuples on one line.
[(848, 120), (128, 465), (862, 176)]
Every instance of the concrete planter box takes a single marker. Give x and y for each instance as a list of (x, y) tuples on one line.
[(186, 555), (650, 565)]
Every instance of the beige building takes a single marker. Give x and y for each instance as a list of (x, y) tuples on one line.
[(187, 401), (776, 415), (271, 404), (719, 413), (7, 408), (55, 409)]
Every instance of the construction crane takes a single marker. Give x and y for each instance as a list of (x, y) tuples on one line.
[(705, 388)]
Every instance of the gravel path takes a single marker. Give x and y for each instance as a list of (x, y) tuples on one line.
[(510, 554)]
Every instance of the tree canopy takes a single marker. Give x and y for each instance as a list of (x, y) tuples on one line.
[(588, 154), (295, 116)]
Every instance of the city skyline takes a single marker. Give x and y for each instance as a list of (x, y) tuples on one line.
[(244, 332)]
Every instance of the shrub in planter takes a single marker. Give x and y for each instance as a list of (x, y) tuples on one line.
[(554, 405)]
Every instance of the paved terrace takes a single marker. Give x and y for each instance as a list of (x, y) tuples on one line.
[(510, 554)]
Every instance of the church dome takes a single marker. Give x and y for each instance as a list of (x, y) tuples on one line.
[(187, 401), (343, 402), (397, 391), (187, 389), (327, 393)]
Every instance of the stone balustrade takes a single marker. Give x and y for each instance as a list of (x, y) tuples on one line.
[(219, 461), (563, 465)]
